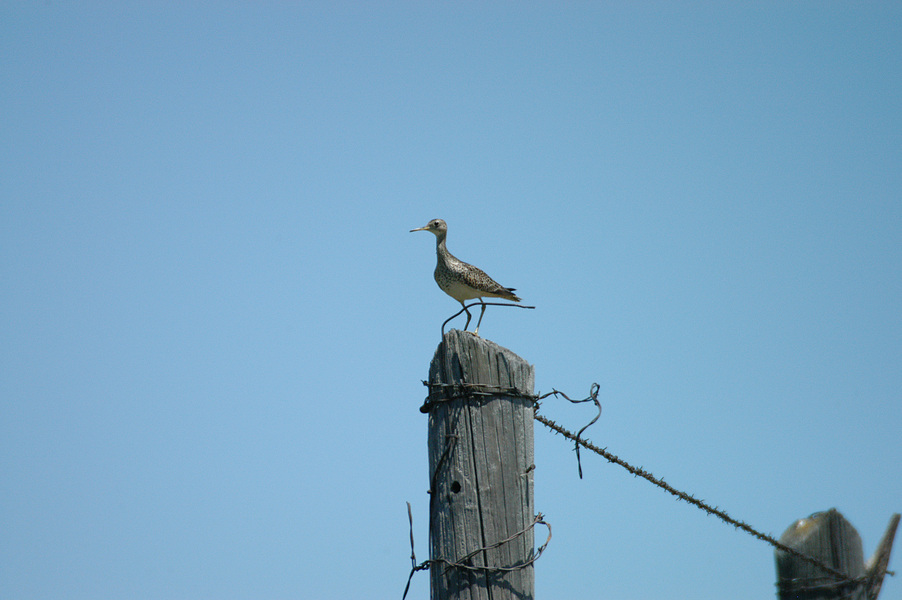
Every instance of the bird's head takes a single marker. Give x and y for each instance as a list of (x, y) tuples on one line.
[(436, 226)]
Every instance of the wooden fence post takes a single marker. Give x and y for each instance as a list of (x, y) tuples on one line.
[(481, 513), (831, 539)]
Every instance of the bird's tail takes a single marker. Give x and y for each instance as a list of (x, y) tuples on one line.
[(511, 295)]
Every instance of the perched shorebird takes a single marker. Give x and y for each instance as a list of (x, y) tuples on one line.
[(460, 280)]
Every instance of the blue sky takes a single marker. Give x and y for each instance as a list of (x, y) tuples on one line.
[(215, 323)]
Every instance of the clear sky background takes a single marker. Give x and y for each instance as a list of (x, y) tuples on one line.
[(215, 323)]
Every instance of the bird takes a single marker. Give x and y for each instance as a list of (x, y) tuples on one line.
[(460, 280)]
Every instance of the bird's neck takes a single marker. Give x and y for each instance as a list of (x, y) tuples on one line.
[(440, 247)]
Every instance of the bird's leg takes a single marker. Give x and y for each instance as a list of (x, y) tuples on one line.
[(469, 316), (482, 312)]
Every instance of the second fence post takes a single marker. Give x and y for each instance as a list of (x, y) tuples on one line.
[(481, 466), (830, 538)]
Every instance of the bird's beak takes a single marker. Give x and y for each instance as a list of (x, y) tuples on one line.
[(419, 229)]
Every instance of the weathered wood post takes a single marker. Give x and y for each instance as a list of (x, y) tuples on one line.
[(481, 515), (831, 539)]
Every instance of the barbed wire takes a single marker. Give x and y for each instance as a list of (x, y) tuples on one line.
[(448, 392), (461, 563), (593, 397), (438, 394), (701, 504)]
